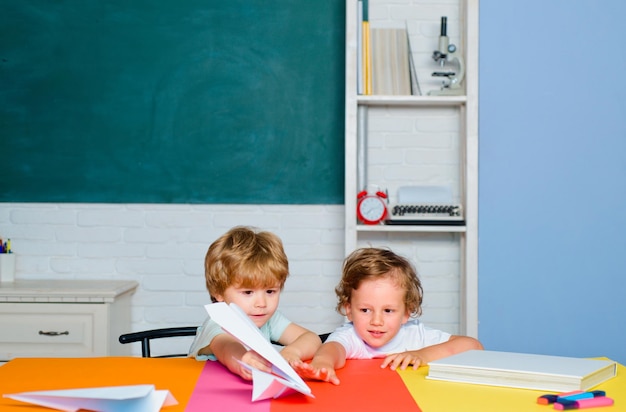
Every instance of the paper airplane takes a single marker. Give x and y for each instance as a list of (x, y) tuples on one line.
[(105, 399), (284, 379)]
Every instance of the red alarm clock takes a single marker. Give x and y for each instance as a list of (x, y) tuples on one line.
[(371, 207)]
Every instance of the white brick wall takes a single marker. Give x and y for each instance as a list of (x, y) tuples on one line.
[(414, 146), (163, 246)]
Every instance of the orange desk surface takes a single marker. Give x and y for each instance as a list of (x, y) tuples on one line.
[(179, 376), (360, 379)]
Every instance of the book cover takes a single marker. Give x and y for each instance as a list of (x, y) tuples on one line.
[(416, 90), (359, 48), (390, 62), (367, 59), (523, 370)]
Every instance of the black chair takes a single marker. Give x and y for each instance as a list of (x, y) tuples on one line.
[(147, 335)]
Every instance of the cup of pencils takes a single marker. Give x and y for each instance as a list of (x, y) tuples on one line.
[(7, 262)]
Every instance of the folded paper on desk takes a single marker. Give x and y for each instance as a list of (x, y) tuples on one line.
[(523, 370), (106, 399), (265, 385)]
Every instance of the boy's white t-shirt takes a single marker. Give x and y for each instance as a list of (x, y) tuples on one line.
[(272, 330), (413, 335)]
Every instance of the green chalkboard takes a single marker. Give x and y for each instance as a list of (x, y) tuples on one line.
[(163, 101)]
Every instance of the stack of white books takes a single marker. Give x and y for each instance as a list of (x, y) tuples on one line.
[(523, 370)]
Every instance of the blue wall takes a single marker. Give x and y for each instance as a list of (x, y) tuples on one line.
[(552, 219)]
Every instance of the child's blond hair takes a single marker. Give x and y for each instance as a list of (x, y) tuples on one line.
[(245, 257)]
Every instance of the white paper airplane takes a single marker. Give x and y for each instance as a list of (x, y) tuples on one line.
[(105, 399), (265, 385)]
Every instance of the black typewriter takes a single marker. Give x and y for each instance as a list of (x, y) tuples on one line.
[(425, 214)]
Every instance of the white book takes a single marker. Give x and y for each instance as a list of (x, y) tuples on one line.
[(416, 90), (390, 62), (523, 370)]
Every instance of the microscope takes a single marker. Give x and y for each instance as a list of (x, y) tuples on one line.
[(451, 63)]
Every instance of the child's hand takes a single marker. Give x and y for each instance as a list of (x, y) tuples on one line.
[(310, 371), (290, 355), (403, 360), (256, 361)]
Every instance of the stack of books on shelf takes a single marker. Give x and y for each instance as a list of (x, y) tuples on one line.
[(384, 60)]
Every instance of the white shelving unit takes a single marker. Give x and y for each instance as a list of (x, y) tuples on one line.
[(447, 126)]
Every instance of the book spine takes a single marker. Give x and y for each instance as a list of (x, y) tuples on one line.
[(367, 58), (416, 90), (359, 48)]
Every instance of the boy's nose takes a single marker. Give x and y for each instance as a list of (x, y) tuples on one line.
[(260, 301), (377, 319)]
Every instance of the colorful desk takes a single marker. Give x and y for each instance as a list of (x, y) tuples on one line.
[(200, 386)]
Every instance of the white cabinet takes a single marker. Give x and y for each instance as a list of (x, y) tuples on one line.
[(63, 318), (395, 141)]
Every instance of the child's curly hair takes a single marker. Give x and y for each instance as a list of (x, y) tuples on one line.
[(372, 263)]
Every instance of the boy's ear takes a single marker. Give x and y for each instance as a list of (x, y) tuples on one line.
[(406, 317), (347, 308), (219, 298)]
